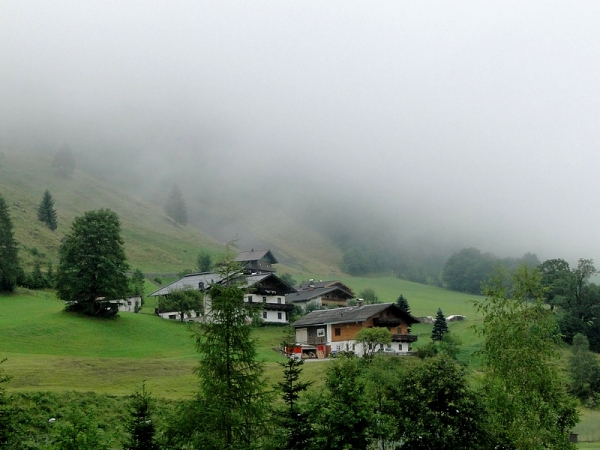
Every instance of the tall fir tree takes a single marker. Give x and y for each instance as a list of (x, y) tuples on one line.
[(9, 261), (440, 327), (402, 303), (175, 207), (292, 420), (46, 212), (232, 391), (140, 427)]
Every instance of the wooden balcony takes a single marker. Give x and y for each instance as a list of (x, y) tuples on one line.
[(404, 338), (278, 306), (386, 321)]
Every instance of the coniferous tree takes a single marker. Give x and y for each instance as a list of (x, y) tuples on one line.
[(46, 212), (140, 427), (9, 262), (440, 327), (293, 421), (176, 208), (232, 391), (402, 303)]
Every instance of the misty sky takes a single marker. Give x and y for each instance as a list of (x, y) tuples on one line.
[(476, 121)]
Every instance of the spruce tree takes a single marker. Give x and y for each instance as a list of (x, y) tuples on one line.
[(176, 208), (232, 390), (140, 427), (402, 303), (440, 327), (46, 212), (293, 422), (9, 262)]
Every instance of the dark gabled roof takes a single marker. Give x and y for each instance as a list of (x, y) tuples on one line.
[(255, 255), (193, 281), (309, 294), (323, 284), (350, 314)]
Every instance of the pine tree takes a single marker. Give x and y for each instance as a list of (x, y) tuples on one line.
[(9, 262), (176, 208), (440, 327), (141, 428), (293, 421), (232, 390), (64, 162), (46, 212), (402, 303)]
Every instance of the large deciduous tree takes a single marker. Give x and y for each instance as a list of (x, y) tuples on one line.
[(372, 338), (175, 207), (526, 400), (93, 266), (183, 301), (9, 261), (46, 212)]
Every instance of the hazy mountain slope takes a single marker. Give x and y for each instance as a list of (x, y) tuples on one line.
[(153, 242)]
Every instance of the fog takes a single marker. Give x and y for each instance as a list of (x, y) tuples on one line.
[(442, 124)]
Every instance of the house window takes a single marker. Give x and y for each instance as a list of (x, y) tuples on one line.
[(128, 303), (338, 331), (174, 316), (264, 299), (249, 299), (279, 316), (264, 314), (279, 300), (320, 332)]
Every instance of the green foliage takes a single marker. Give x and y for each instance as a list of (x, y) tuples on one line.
[(176, 208), (79, 432), (231, 383), (93, 264), (433, 407), (342, 417), (369, 296), (204, 261), (402, 303), (294, 430), (288, 279), (526, 400), (8, 429), (467, 269), (140, 427), (184, 301), (64, 162), (136, 284), (46, 212), (372, 338), (584, 370), (440, 327), (10, 269)]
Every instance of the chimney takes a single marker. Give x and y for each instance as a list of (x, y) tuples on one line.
[(359, 302)]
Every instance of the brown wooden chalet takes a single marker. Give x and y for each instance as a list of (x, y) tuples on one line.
[(257, 261), (335, 329), (321, 294)]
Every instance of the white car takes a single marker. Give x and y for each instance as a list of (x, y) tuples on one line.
[(388, 351)]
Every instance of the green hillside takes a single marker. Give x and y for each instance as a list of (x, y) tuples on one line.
[(153, 241)]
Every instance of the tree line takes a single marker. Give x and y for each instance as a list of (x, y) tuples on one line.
[(517, 402)]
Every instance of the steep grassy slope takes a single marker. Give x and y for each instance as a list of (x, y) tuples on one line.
[(153, 242)]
